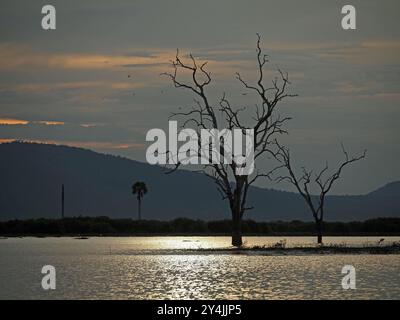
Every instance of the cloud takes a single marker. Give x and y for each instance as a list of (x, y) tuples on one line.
[(88, 125), (155, 61), (374, 52), (139, 65), (382, 44), (12, 122), (6, 140), (13, 57), (50, 123)]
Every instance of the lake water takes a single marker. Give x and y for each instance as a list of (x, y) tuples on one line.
[(156, 268)]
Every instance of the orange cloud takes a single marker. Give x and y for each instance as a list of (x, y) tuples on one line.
[(17, 57), (8, 121), (13, 57), (47, 87), (7, 140)]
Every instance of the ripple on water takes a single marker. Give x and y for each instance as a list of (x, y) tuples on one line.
[(90, 271)]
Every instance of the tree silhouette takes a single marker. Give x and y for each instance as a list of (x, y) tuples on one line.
[(205, 114), (320, 179), (140, 189)]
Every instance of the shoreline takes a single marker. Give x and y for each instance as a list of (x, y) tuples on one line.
[(279, 248), (194, 234)]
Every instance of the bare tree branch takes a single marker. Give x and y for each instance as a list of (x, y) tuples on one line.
[(303, 181), (266, 124)]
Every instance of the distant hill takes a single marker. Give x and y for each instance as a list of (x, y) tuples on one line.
[(96, 184)]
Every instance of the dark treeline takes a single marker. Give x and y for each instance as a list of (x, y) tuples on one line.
[(184, 226)]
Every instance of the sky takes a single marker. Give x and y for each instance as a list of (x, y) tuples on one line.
[(95, 81)]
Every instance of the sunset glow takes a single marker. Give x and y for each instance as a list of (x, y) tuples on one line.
[(8, 121)]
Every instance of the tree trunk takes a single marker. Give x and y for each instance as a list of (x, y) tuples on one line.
[(237, 212), (236, 229), (139, 209), (319, 231)]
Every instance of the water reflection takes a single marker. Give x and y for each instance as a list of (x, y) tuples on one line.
[(106, 268)]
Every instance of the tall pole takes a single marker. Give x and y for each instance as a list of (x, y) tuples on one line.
[(62, 201), (139, 207)]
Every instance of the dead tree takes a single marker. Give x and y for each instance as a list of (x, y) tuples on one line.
[(207, 115), (308, 178)]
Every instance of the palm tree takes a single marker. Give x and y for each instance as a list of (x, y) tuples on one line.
[(139, 188)]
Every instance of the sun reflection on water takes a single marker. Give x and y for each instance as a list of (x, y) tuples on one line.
[(133, 268)]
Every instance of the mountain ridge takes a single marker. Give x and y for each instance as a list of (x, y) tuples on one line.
[(99, 184)]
